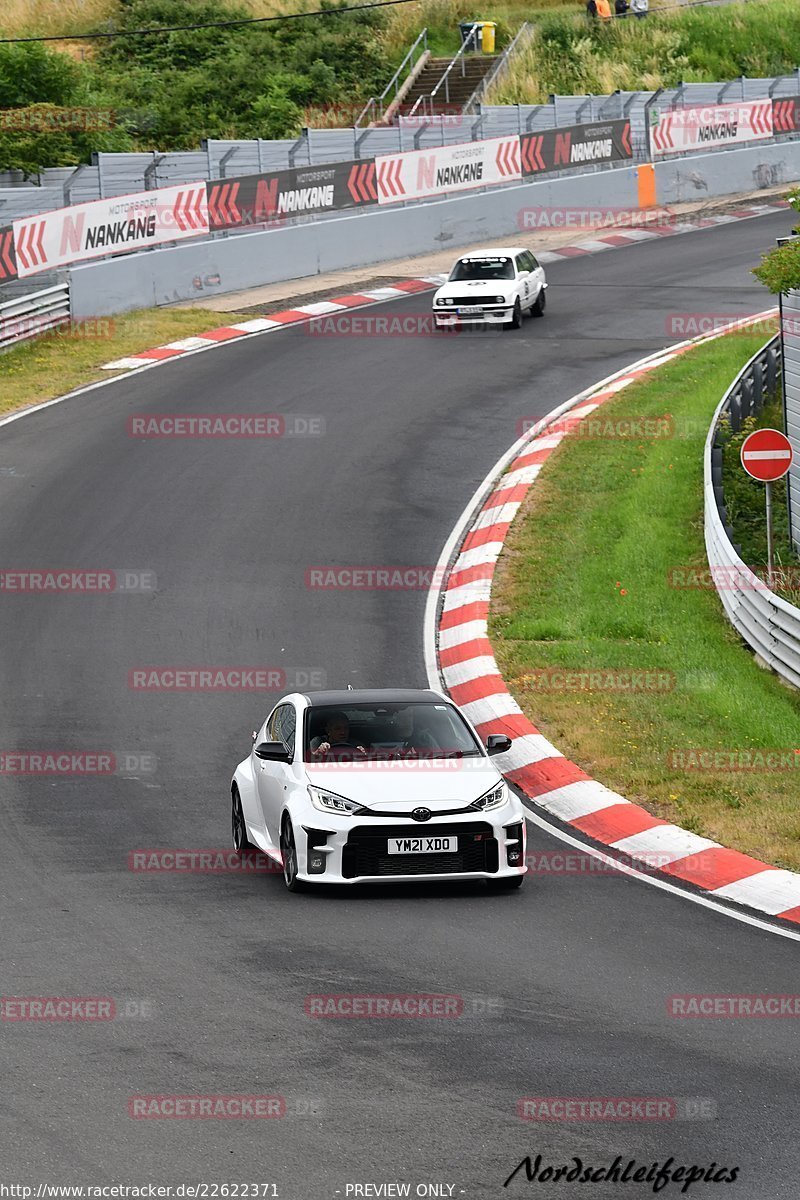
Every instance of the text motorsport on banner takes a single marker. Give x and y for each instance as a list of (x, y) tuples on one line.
[(457, 168), (709, 126), (112, 226)]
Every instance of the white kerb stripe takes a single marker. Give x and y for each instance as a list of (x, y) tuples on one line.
[(470, 631), (257, 324), (187, 343), (491, 708), (525, 750), (499, 515), (521, 475), (125, 364), (579, 799), (479, 556), (321, 307), (771, 891), (473, 668), (468, 593), (669, 842)]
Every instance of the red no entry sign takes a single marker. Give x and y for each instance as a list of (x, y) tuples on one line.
[(766, 455)]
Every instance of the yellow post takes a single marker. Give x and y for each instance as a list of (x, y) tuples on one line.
[(489, 28)]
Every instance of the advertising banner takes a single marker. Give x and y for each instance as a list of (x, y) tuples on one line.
[(8, 260), (457, 168), (113, 226), (276, 195), (710, 126), (575, 146)]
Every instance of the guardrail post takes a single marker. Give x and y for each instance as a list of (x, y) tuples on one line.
[(735, 412), (757, 387), (772, 371), (151, 172), (223, 162), (70, 183), (747, 398)]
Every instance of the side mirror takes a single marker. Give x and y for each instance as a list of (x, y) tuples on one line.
[(272, 751), (497, 743)]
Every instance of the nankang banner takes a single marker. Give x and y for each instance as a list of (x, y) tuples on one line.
[(442, 169), (113, 226), (575, 146), (710, 126), (277, 195)]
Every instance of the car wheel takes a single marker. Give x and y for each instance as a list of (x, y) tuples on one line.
[(289, 857), (539, 304), (516, 316), (508, 883), (238, 827)]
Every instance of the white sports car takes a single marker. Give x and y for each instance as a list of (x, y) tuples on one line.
[(492, 287), (377, 786)]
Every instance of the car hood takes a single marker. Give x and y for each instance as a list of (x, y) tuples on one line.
[(476, 288), (434, 783)]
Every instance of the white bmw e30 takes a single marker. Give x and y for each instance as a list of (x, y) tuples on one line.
[(492, 287), (383, 786)]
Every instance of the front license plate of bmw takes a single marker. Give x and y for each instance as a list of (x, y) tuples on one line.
[(423, 845)]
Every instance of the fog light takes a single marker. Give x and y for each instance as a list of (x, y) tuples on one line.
[(315, 855), (514, 849)]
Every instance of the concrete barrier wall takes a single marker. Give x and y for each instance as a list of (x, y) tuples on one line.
[(184, 273)]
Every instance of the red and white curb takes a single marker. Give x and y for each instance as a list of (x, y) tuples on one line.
[(648, 232), (460, 658), (322, 308), (279, 320)]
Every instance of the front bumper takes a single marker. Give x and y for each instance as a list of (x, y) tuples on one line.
[(354, 850), (498, 315)]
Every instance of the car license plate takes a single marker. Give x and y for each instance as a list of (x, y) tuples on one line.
[(423, 845), (470, 308)]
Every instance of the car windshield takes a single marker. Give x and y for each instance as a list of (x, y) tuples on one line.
[(482, 268), (416, 730)]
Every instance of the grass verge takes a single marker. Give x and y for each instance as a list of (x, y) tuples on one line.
[(583, 586), (62, 361)]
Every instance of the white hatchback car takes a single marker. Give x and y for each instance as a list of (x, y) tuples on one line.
[(377, 786), (492, 287)]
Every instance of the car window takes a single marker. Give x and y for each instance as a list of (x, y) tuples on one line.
[(482, 268), (522, 264), (419, 729), (534, 261), (282, 726)]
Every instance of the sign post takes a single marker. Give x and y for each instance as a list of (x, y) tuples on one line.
[(766, 456)]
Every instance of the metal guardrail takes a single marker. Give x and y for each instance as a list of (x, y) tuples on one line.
[(121, 174), (768, 623), (374, 109), (33, 314)]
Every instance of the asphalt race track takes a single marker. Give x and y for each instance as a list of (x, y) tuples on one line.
[(565, 983)]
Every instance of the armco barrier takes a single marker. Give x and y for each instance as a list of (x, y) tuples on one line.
[(32, 314), (769, 624), (379, 234), (197, 209)]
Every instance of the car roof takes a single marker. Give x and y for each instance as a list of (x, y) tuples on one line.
[(492, 252), (373, 696)]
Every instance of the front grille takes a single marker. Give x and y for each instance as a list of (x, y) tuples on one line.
[(483, 301), (366, 853)]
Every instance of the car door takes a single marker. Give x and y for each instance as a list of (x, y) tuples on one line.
[(273, 777), (523, 280), (537, 275)]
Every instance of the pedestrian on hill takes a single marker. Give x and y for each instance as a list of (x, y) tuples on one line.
[(603, 10), (639, 8), (591, 10), (621, 8)]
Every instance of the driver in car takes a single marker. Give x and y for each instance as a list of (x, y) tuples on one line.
[(337, 733)]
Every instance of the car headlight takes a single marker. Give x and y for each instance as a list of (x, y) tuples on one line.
[(449, 300), (499, 299), (495, 798), (327, 801)]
